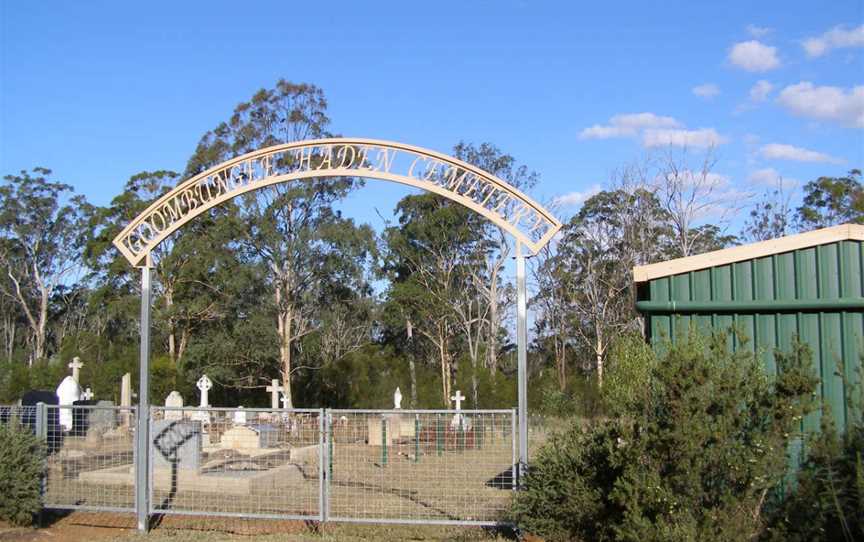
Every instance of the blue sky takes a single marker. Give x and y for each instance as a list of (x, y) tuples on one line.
[(98, 91)]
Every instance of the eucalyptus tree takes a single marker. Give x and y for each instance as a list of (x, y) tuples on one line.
[(589, 275), (432, 260), (829, 201), (188, 264), (292, 231), (488, 280), (42, 229)]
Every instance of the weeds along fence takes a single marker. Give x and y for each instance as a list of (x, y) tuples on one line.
[(382, 466)]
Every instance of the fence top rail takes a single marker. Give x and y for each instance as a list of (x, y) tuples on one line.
[(94, 407), (237, 409), (81, 407), (407, 411)]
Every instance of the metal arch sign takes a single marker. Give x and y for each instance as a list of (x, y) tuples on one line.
[(504, 205)]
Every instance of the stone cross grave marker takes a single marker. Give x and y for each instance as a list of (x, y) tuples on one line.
[(204, 385), (457, 419), (284, 400), (76, 365), (240, 416), (397, 398), (87, 395), (275, 389)]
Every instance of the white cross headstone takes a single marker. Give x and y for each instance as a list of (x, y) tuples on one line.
[(458, 398), (457, 419), (284, 400), (87, 395), (397, 398), (275, 389), (76, 365), (204, 384)]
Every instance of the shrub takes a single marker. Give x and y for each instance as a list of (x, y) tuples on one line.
[(829, 489), (21, 466), (691, 457)]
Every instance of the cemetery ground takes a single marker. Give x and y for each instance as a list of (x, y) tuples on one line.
[(113, 527)]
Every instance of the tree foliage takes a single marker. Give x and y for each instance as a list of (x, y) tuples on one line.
[(692, 456)]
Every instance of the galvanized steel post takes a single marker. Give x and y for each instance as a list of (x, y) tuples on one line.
[(522, 358), (142, 491)]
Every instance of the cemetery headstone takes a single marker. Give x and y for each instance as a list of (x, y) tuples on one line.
[(87, 394), (81, 416), (174, 400), (104, 417), (67, 393), (34, 397), (458, 419), (204, 385), (76, 366), (240, 416), (177, 443), (126, 398), (275, 389)]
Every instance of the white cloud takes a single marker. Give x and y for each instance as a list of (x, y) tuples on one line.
[(754, 56), (703, 137), (779, 151), (760, 91), (627, 125), (758, 31), (837, 38), (770, 177), (574, 198), (707, 91), (825, 103)]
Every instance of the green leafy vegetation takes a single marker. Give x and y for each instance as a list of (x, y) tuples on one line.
[(22, 459), (698, 442)]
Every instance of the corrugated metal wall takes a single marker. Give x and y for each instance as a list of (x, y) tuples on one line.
[(749, 294)]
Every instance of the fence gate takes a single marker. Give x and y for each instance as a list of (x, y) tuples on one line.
[(253, 463), (421, 466)]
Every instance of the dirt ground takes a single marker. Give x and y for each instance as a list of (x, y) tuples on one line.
[(109, 527)]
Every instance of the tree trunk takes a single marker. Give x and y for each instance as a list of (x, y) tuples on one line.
[(492, 346), (172, 326), (599, 351), (561, 362), (284, 321), (412, 371), (39, 352), (445, 364), (184, 342)]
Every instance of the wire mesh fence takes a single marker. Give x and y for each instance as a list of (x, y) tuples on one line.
[(420, 466), (407, 466), (19, 416), (90, 457), (243, 462)]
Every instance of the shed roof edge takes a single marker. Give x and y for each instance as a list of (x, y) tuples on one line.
[(843, 232)]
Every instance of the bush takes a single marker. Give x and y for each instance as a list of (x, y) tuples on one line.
[(829, 489), (22, 458), (691, 457)]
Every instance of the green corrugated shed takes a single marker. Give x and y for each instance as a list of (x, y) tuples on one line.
[(809, 285)]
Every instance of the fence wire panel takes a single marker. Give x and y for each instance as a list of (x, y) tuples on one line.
[(420, 466), (91, 457), (20, 416), (237, 462)]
